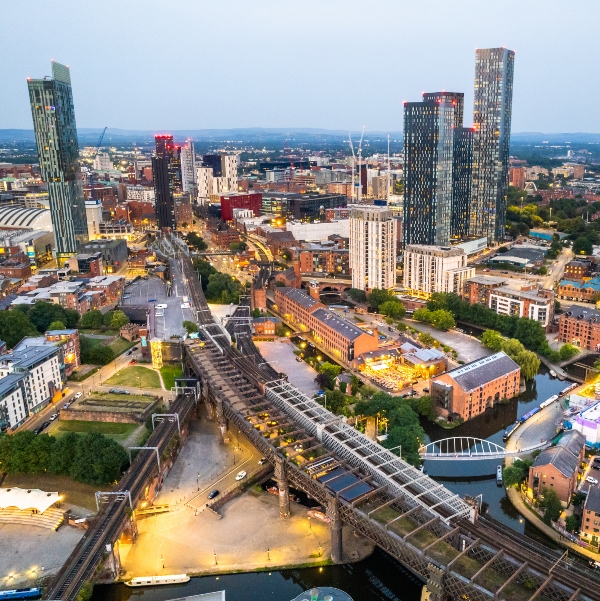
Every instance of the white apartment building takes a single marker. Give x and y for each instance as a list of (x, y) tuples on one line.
[(318, 231), (93, 214), (188, 167), (102, 162), (13, 406), (141, 193), (204, 182), (429, 269), (40, 367), (229, 165), (372, 247)]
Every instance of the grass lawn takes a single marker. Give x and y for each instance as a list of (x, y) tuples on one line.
[(120, 345), (169, 373), (137, 376), (76, 493), (105, 333), (118, 432), (93, 342)]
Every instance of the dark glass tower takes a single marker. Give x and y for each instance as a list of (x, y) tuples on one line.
[(166, 171), (53, 114), (462, 178), (428, 167), (494, 68)]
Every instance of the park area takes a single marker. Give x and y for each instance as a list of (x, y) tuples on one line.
[(136, 376), (119, 432)]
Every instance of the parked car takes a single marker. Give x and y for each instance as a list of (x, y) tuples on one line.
[(132, 362), (241, 475), (135, 348), (185, 305), (262, 461), (591, 480), (213, 493), (77, 396), (53, 417), (161, 306), (66, 405), (129, 352), (425, 389)]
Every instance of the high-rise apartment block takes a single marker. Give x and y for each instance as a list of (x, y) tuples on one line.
[(492, 109), (166, 171), (429, 269), (218, 174), (188, 168), (53, 114), (437, 170), (372, 247)]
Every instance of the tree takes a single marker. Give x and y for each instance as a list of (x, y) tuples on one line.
[(422, 405), (331, 371), (86, 591), (354, 384), (63, 454), (551, 504), (14, 326), (511, 476), (582, 246), (107, 319), (223, 289), (377, 297), (492, 340), (530, 333), (57, 325), (256, 312), (99, 460), (196, 241), (392, 308), (529, 363), (71, 318), (286, 254), (357, 295), (99, 355), (189, 326), (422, 315), (204, 270), (336, 401), (503, 249), (568, 351), (571, 523), (442, 320), (237, 247), (43, 314), (426, 339), (92, 320), (118, 320), (322, 380)]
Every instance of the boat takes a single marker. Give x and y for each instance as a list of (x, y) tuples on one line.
[(553, 373), (158, 580), (511, 430), (22, 593), (499, 475)]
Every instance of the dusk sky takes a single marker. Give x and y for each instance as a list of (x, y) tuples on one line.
[(334, 64)]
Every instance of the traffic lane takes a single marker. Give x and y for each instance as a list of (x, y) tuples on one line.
[(592, 472)]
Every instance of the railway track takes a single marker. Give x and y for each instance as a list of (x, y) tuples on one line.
[(87, 555)]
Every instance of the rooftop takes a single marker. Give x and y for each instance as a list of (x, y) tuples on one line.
[(593, 283), (573, 441), (560, 458), (584, 313), (592, 502), (487, 280), (27, 356), (300, 297), (341, 326), (9, 382), (480, 372)]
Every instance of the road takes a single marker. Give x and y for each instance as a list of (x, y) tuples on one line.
[(557, 269)]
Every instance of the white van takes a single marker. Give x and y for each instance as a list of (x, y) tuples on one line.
[(161, 306)]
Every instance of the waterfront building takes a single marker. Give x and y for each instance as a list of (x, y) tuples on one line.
[(372, 247), (492, 110), (429, 269), (471, 389), (580, 326), (590, 520), (53, 114)]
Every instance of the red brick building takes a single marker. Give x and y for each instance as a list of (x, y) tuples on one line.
[(18, 268), (223, 238), (574, 290), (249, 200), (69, 347), (578, 269), (580, 326), (316, 258), (590, 520), (516, 177), (470, 389), (266, 326)]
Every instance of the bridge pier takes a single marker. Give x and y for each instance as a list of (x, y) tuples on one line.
[(283, 486), (210, 411), (435, 583), (335, 526)]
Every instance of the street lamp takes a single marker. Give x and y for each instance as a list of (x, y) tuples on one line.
[(309, 523)]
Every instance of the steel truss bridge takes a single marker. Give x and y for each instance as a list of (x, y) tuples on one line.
[(470, 449), (416, 520)]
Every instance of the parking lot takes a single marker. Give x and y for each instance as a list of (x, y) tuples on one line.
[(591, 472)]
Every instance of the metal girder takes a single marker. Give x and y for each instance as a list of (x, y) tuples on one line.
[(464, 551), (421, 527), (512, 577), (367, 496), (574, 596), (541, 588), (439, 540), (390, 502), (487, 564)]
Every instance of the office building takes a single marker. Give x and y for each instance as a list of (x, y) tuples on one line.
[(372, 248), (467, 391), (102, 162), (166, 171), (53, 114), (188, 168), (516, 177), (492, 109), (114, 252), (429, 269)]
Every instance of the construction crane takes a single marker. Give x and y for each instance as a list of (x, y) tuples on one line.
[(93, 175)]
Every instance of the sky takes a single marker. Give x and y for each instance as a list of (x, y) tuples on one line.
[(333, 64)]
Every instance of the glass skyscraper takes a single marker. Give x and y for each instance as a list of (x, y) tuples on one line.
[(429, 132), (53, 114), (492, 109), (166, 170)]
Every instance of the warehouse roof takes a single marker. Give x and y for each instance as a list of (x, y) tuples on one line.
[(341, 326), (560, 458), (480, 372)]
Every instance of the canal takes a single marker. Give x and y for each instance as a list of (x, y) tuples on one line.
[(379, 577)]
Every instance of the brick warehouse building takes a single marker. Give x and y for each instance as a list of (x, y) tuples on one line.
[(580, 326), (251, 200), (470, 389)]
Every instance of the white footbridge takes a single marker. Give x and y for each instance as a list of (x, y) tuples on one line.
[(467, 448)]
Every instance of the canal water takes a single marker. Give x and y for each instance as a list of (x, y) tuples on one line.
[(379, 577)]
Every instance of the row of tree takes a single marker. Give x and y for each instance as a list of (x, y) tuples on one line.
[(527, 360), (90, 458), (440, 319), (218, 287)]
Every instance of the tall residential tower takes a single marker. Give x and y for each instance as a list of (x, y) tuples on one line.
[(492, 109), (372, 247), (166, 170), (53, 114)]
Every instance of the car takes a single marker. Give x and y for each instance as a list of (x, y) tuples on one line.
[(425, 389), (38, 430), (78, 395), (591, 480), (161, 306), (214, 493), (404, 396), (390, 329), (135, 348), (262, 461), (159, 313), (486, 270), (53, 417), (129, 352), (66, 405), (505, 272), (132, 362), (241, 475), (185, 305), (45, 425)]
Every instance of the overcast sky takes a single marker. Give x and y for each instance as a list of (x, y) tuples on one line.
[(335, 64)]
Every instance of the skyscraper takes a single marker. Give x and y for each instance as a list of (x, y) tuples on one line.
[(372, 247), (188, 168), (492, 109), (166, 171), (429, 128), (53, 114)]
